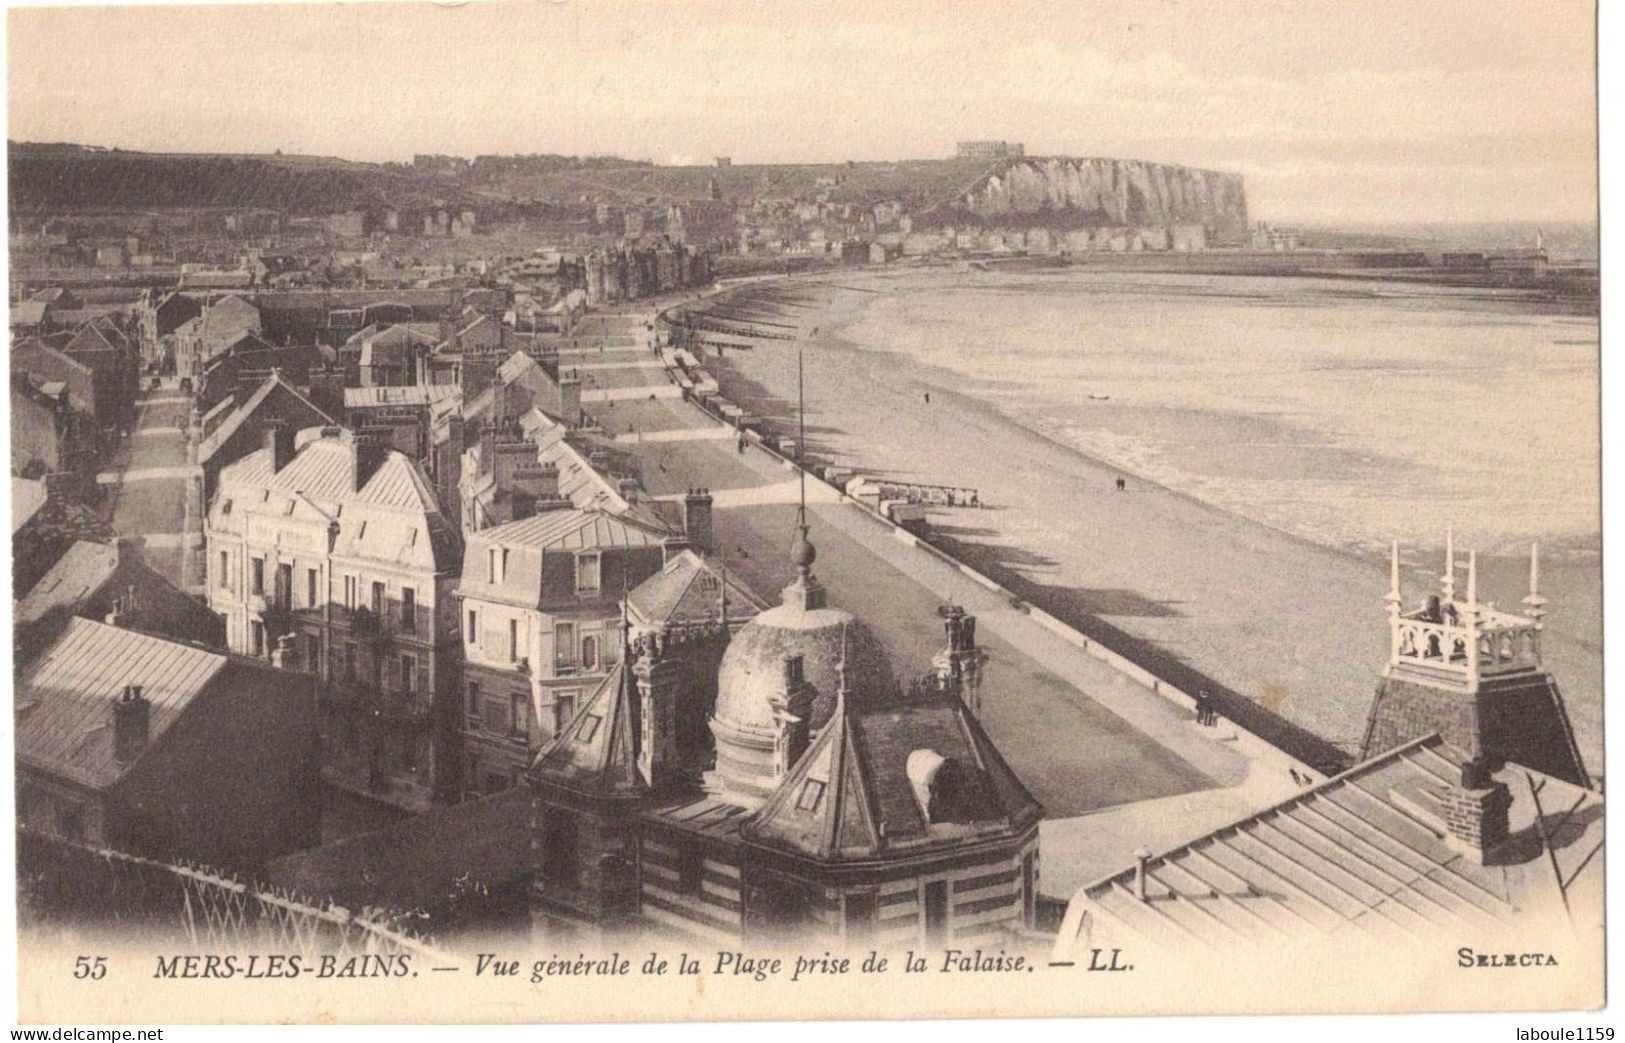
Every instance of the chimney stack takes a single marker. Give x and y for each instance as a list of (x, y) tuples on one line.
[(1476, 812), (1142, 858), (131, 716), (697, 518), (628, 488), (279, 443), (371, 450)]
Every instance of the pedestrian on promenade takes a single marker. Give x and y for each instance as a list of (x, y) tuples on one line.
[(928, 398), (1204, 709)]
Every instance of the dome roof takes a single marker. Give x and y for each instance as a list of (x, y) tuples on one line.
[(753, 666)]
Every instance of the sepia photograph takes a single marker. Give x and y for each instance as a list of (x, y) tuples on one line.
[(542, 511)]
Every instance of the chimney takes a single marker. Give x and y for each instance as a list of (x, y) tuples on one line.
[(671, 547), (279, 443), (510, 458), (659, 687), (570, 401), (131, 714), (1142, 858), (371, 450), (697, 518), (628, 488), (1476, 812)]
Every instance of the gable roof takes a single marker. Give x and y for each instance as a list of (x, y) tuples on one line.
[(64, 703), (394, 517), (689, 589), (239, 416), (1360, 855)]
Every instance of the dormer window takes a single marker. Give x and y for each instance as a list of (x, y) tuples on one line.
[(587, 572), (496, 565), (812, 794)]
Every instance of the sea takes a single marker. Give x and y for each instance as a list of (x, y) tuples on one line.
[(1347, 412)]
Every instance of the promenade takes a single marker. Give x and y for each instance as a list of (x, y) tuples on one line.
[(1082, 736)]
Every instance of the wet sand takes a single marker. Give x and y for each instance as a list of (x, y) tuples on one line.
[(1276, 626)]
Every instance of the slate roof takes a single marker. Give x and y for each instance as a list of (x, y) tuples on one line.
[(850, 797), (572, 530), (593, 752), (688, 590), (528, 541), (1360, 855), (411, 395), (228, 427), (64, 702), (394, 517), (420, 862), (78, 573)]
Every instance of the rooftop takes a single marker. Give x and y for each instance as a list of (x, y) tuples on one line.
[(1361, 855), (64, 701)]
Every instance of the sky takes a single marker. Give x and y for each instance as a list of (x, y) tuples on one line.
[(1340, 111)]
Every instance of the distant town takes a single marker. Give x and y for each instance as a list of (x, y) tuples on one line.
[(383, 540)]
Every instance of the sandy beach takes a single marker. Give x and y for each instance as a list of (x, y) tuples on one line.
[(1279, 625)]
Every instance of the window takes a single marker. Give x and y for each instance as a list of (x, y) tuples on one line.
[(349, 661), (587, 568), (349, 593), (513, 639), (284, 586), (311, 577), (409, 674), (494, 714), (313, 650), (589, 653), (378, 599), (225, 571), (564, 646), (409, 613), (256, 576), (256, 637), (473, 627), (564, 708), (812, 794), (473, 708), (519, 723), (496, 564)]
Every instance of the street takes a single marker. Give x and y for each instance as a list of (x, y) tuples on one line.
[(154, 490)]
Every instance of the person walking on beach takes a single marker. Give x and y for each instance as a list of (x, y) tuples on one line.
[(928, 398)]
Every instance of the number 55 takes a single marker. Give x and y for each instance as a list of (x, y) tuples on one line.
[(94, 968)]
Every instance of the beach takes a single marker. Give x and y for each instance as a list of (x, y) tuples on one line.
[(1273, 438)]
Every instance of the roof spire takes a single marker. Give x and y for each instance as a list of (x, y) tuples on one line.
[(802, 553)]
